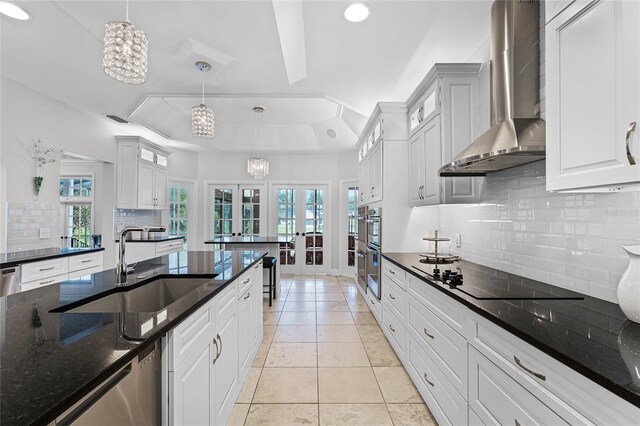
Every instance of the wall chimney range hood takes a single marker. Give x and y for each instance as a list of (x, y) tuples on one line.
[(517, 134)]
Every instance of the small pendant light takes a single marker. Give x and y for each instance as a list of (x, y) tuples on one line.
[(202, 122), (256, 166), (125, 52)]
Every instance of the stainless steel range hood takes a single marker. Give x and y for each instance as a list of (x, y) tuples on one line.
[(517, 134)]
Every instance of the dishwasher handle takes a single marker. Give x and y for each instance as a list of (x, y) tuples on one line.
[(90, 400)]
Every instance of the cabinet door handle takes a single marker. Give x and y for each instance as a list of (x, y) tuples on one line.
[(247, 296), (47, 282), (528, 370), (391, 296), (215, 342), (630, 130), (427, 333), (517, 422), (47, 269), (427, 380), (246, 281), (219, 340), (391, 328), (372, 190)]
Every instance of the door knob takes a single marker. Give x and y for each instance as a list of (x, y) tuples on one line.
[(297, 233), (233, 234), (303, 234)]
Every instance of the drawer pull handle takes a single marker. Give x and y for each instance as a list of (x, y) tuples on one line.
[(528, 370), (630, 130), (47, 282), (428, 381), (50, 268), (246, 281), (87, 261), (427, 333), (215, 342), (392, 271), (247, 296), (391, 328), (391, 296)]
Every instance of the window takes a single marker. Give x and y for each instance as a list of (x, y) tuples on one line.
[(76, 198), (222, 212), (287, 224), (352, 225), (179, 212)]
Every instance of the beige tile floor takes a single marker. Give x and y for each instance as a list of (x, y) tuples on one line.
[(325, 361)]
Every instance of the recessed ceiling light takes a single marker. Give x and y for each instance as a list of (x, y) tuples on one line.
[(357, 12), (13, 11)]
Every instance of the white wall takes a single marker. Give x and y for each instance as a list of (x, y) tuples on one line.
[(283, 167), (27, 114)]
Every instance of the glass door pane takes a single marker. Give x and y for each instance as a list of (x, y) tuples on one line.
[(223, 211), (250, 210), (314, 227), (286, 224), (352, 225)]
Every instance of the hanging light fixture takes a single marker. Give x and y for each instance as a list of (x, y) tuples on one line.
[(202, 122), (125, 52), (256, 166)]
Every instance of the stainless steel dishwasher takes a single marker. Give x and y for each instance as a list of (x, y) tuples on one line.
[(131, 396)]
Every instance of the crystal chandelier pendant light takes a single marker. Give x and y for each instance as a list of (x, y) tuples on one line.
[(125, 52), (202, 120), (256, 166)]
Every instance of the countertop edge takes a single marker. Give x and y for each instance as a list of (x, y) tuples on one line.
[(12, 263), (50, 415), (584, 371)]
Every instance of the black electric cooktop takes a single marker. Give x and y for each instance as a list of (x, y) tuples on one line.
[(483, 283)]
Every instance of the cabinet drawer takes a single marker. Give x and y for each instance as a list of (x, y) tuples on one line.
[(85, 261), (225, 302), (85, 272), (394, 329), (395, 297), (499, 400), (244, 282), (374, 305), (447, 309), (188, 334), (38, 271), (441, 342), (445, 403), (572, 396), (395, 273), (167, 247), (43, 281)]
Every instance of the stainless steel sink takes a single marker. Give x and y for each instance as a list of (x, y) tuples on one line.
[(150, 297)]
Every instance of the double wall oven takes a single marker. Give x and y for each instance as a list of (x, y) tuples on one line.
[(369, 232)]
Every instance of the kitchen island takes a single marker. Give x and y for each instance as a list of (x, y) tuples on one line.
[(50, 360)]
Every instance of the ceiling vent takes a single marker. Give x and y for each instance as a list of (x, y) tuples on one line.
[(118, 119)]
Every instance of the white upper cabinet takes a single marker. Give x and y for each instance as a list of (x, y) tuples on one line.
[(142, 176), (443, 119), (593, 96), (386, 125)]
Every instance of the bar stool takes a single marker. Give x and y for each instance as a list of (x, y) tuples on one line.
[(270, 262)]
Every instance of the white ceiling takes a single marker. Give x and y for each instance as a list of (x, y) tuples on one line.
[(338, 70)]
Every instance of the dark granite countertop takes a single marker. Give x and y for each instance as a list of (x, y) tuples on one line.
[(8, 260), (48, 361), (589, 335), (153, 239), (250, 240)]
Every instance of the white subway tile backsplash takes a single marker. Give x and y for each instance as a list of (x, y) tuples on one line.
[(568, 240), (24, 221)]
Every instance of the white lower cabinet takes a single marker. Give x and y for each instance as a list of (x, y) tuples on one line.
[(471, 371), (191, 386), (207, 353), (499, 400), (46, 272), (139, 251)]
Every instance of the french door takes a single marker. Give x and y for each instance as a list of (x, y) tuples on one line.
[(237, 210), (300, 216)]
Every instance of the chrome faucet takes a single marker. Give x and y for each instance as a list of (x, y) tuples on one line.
[(121, 269)]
